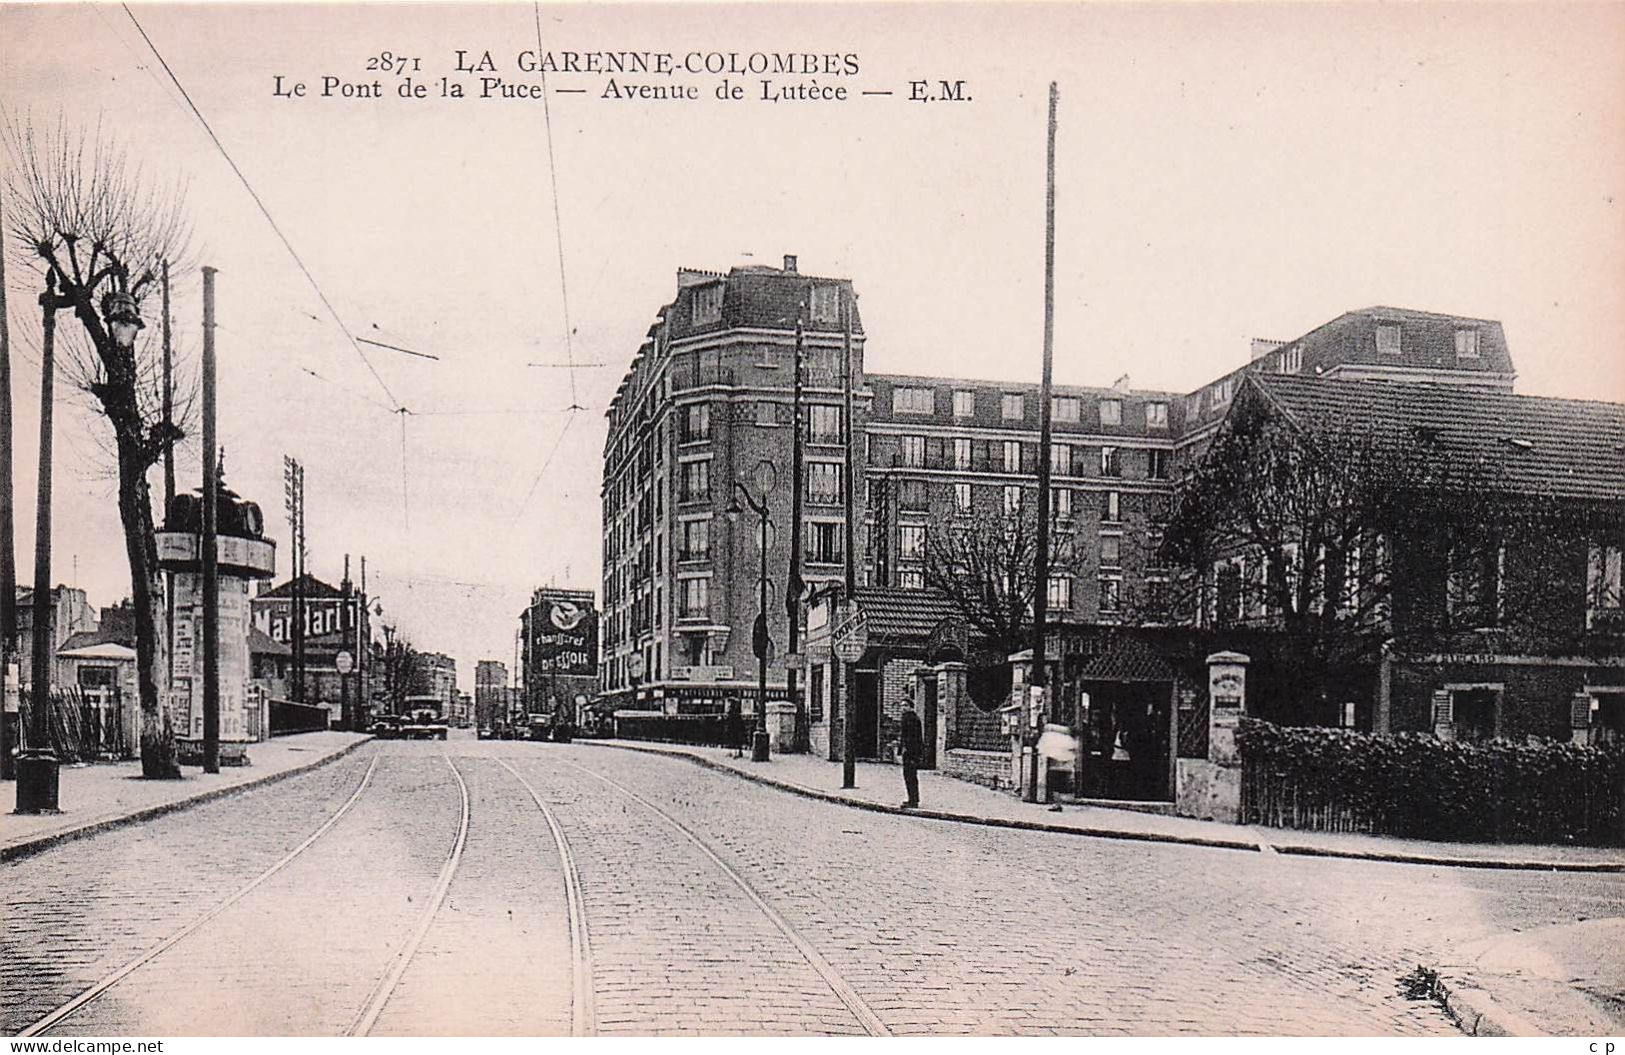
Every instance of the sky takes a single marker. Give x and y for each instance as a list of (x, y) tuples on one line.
[(1224, 171)]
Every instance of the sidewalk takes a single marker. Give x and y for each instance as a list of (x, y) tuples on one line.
[(880, 787), (1571, 974), (106, 795)]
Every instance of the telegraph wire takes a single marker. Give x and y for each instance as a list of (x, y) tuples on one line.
[(558, 222), (262, 207), (520, 512)]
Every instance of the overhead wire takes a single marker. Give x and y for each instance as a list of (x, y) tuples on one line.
[(558, 223), (258, 201)]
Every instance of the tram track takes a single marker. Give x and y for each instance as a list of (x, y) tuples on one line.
[(385, 988), (66, 1010), (583, 1022), (826, 971)]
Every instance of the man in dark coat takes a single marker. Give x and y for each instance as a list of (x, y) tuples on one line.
[(913, 747)]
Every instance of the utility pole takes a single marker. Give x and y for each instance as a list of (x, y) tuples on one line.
[(8, 555), (211, 568), (37, 768), (1041, 559), (169, 484), (792, 591), (293, 493), (346, 715), (849, 728), (363, 647)]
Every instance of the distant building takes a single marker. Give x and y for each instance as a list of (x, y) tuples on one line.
[(327, 633), (71, 614), (490, 691), (558, 640)]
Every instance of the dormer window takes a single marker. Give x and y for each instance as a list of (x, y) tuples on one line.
[(1388, 338), (826, 303), (1111, 412), (707, 302), (1466, 343)]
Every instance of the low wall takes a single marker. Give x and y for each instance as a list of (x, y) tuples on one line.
[(988, 768)]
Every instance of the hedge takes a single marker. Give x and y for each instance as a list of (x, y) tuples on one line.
[(1417, 786)]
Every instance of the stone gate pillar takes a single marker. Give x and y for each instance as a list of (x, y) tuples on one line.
[(950, 696), (1210, 788)]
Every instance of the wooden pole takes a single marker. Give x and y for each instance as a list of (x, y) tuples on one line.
[(211, 570), (849, 728), (8, 554), (169, 485), (1041, 558)]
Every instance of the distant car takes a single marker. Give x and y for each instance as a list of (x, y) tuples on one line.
[(425, 725), (386, 727)]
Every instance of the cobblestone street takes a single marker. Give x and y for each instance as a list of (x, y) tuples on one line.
[(517, 888)]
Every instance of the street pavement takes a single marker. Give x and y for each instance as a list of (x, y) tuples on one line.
[(709, 905)]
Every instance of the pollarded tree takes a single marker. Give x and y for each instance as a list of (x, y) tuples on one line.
[(98, 232)]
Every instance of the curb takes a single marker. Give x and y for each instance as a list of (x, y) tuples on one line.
[(39, 844), (1254, 846), (1477, 1014), (937, 815)]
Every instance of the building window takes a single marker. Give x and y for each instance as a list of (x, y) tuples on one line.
[(913, 401), (912, 451), (696, 422), (696, 544), (1388, 338), (1011, 407), (696, 481), (1060, 593), (707, 301), (911, 542), (1466, 343), (1156, 464), (911, 578), (824, 481), (695, 598), (1111, 550), (1063, 501), (1222, 392), (1156, 599), (1065, 408), (823, 423), (1060, 459), (1110, 464), (826, 303), (1111, 504), (911, 494), (815, 695), (962, 454), (964, 404), (1603, 586), (962, 498), (824, 543), (1193, 408), (1111, 596), (1473, 583), (1291, 361), (1156, 415), (1111, 411), (1012, 456), (1012, 500)]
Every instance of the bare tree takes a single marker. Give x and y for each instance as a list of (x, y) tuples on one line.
[(98, 232), (986, 566), (1347, 536), (405, 672)]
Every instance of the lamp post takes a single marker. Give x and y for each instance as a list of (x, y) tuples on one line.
[(766, 479)]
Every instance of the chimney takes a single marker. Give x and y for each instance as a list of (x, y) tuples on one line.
[(1121, 384), (1263, 346), (789, 263)]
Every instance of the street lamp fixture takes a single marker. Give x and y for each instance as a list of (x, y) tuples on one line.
[(765, 478), (123, 317)]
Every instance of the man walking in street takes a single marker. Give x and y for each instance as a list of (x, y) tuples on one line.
[(913, 748)]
